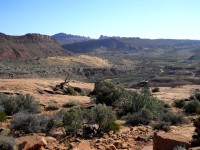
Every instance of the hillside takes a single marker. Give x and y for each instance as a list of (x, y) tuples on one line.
[(29, 46), (154, 47), (64, 38), (109, 44)]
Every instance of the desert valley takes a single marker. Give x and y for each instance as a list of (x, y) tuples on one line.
[(67, 91)]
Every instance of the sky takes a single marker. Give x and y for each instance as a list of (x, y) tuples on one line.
[(174, 19)]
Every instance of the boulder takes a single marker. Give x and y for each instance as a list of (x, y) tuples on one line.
[(83, 145), (31, 142), (147, 148), (168, 141), (118, 144)]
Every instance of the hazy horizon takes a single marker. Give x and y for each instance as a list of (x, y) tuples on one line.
[(151, 19)]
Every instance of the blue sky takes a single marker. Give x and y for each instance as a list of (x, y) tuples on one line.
[(128, 18)]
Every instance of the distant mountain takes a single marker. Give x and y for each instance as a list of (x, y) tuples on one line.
[(64, 38), (106, 44), (29, 46), (107, 37)]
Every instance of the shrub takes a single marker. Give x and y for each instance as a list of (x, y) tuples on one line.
[(157, 89), (25, 123), (2, 109), (53, 106), (70, 104), (107, 93), (192, 106), (73, 121), (2, 116), (104, 117), (141, 117), (197, 95), (82, 92), (113, 127), (173, 119), (138, 101), (179, 103), (19, 103), (71, 91), (7, 143), (100, 115), (161, 125)]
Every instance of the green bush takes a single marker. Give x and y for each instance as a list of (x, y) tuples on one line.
[(197, 95), (76, 120), (71, 91), (173, 118), (103, 116), (70, 104), (142, 106), (7, 143), (2, 109), (2, 116), (141, 117), (81, 92), (25, 123), (161, 125), (53, 106), (179, 103), (192, 106), (113, 127), (73, 121), (107, 93), (19, 103), (137, 101), (157, 89)]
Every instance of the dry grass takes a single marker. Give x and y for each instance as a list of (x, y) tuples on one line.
[(32, 86), (169, 94), (81, 60)]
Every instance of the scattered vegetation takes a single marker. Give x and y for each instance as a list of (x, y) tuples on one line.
[(141, 117), (12, 105), (192, 106), (70, 104), (2, 116), (179, 103), (24, 123), (107, 93), (156, 89), (76, 120), (53, 106), (73, 121), (174, 118), (161, 125), (75, 91), (140, 107)]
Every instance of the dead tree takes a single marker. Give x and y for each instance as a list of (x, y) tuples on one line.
[(66, 82), (11, 75)]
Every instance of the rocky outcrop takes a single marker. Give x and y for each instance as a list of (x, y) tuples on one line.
[(168, 141), (33, 142), (37, 142), (83, 145), (29, 46), (64, 38)]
